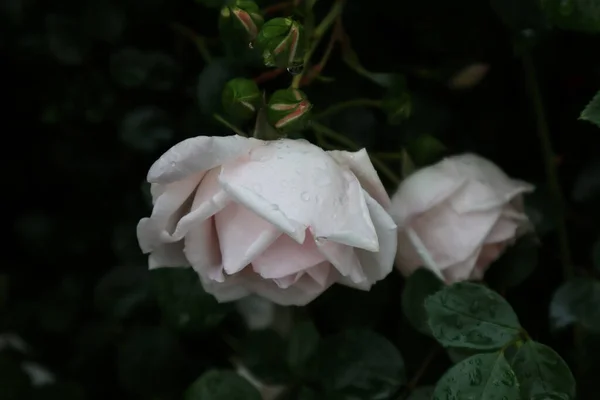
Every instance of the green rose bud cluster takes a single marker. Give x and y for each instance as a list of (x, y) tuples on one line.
[(241, 98), (289, 110), (282, 42), (242, 19)]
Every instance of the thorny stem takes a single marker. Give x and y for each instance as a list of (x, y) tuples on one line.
[(347, 104), (229, 125), (324, 131), (199, 41), (316, 37), (549, 162)]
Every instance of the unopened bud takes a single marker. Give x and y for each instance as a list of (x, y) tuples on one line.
[(241, 98), (289, 110), (243, 19), (282, 43)]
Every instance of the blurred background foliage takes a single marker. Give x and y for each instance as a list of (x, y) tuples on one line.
[(96, 90)]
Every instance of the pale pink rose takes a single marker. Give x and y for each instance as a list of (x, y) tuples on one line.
[(456, 217), (282, 219)]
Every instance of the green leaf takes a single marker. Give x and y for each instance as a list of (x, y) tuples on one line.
[(264, 354), (516, 264), (184, 303), (361, 363), (458, 354), (302, 345), (150, 362), (577, 300), (221, 385), (551, 396), (420, 284), (540, 370), (591, 112), (472, 316), (579, 15), (146, 129), (483, 376), (422, 393), (122, 291)]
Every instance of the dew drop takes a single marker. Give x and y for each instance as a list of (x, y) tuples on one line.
[(251, 45), (305, 196)]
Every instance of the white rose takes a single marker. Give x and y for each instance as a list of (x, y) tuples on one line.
[(282, 219), (457, 216)]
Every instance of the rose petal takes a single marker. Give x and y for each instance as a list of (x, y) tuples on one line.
[(209, 199), (198, 154), (377, 265), (168, 255), (503, 230), (360, 164), (320, 273), (168, 209), (243, 236), (461, 271), (345, 261), (305, 290), (202, 250), (286, 257), (489, 186), (451, 237), (423, 190), (280, 184)]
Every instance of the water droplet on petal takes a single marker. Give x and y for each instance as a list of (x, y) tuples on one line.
[(305, 196)]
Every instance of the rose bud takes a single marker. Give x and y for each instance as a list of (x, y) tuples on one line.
[(289, 110), (241, 98), (282, 43), (242, 19)]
